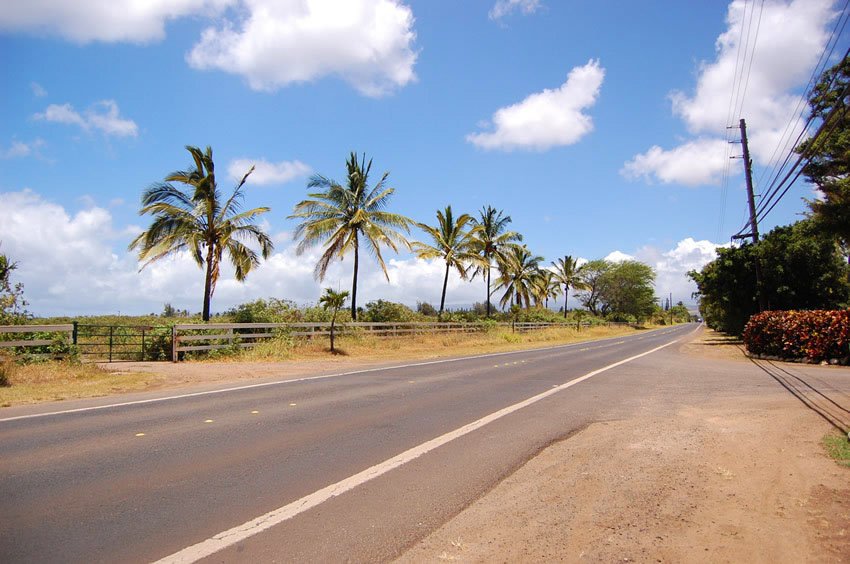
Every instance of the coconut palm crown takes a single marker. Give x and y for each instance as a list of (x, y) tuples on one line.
[(452, 242), (200, 221), (518, 270), (343, 218), (568, 273)]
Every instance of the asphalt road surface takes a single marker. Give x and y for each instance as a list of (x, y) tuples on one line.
[(353, 467)]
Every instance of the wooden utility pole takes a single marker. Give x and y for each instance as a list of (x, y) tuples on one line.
[(748, 174)]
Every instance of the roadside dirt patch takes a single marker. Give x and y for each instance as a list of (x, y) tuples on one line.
[(742, 480), (745, 481)]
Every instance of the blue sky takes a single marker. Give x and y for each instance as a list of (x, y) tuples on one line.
[(599, 127)]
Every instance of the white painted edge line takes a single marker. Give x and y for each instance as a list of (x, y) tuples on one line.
[(304, 379), (275, 517)]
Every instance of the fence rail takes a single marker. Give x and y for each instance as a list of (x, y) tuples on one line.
[(137, 342)]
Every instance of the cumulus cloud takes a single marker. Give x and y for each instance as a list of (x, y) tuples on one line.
[(618, 256), (672, 266), (84, 21), (694, 163), (20, 149), (791, 37), (103, 116), (266, 173), (549, 118), (367, 43), (504, 8)]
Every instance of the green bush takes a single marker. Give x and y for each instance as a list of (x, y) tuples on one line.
[(383, 311), (814, 335)]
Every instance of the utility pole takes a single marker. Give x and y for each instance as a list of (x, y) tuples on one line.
[(751, 201), (748, 174)]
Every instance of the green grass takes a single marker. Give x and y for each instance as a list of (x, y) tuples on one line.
[(838, 447)]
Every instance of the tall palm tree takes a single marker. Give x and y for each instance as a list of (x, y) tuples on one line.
[(341, 217), (333, 300), (453, 243), (545, 286), (518, 268), (568, 273), (490, 240), (201, 221)]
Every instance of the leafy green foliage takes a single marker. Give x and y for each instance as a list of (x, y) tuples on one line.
[(383, 311), (518, 269), (492, 238), (814, 335), (272, 310), (12, 303), (621, 291), (801, 269), (828, 166)]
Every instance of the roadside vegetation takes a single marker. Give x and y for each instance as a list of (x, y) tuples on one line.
[(838, 448)]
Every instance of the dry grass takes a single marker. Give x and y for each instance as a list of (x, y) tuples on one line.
[(51, 381), (425, 346)]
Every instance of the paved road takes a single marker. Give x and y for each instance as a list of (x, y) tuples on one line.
[(143, 481)]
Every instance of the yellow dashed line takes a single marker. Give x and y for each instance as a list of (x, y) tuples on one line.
[(411, 381), (140, 434), (208, 421), (254, 412), (292, 405)]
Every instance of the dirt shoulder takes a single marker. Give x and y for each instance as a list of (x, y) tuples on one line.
[(742, 480)]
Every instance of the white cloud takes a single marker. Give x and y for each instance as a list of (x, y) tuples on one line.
[(791, 37), (83, 21), (367, 43), (20, 149), (549, 118), (672, 266), (267, 173), (504, 8), (618, 256), (103, 116), (694, 163), (38, 90)]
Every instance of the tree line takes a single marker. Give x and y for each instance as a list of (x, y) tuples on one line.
[(348, 217)]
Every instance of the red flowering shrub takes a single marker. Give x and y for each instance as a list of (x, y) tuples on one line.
[(814, 335)]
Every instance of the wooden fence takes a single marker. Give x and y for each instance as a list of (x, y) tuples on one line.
[(129, 343), (36, 337)]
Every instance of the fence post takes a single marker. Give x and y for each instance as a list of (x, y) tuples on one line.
[(173, 344), (143, 344), (111, 328), (74, 334)]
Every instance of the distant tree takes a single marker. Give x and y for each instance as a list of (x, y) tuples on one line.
[(828, 154), (568, 274), (342, 217), (545, 286), (591, 279), (491, 239), (272, 310), (517, 268), (425, 308), (333, 300), (380, 311), (627, 290), (168, 310), (202, 222), (801, 269), (452, 242)]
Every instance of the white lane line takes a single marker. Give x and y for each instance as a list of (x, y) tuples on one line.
[(275, 517), (292, 381)]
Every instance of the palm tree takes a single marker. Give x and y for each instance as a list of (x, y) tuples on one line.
[(490, 240), (340, 216), (200, 221), (451, 243), (568, 273), (333, 300), (545, 286), (518, 269)]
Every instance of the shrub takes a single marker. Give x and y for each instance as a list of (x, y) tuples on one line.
[(815, 335), (382, 310)]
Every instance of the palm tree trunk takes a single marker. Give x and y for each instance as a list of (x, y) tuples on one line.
[(443, 297), (208, 285), (354, 283), (488, 291), (333, 322), (566, 295)]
